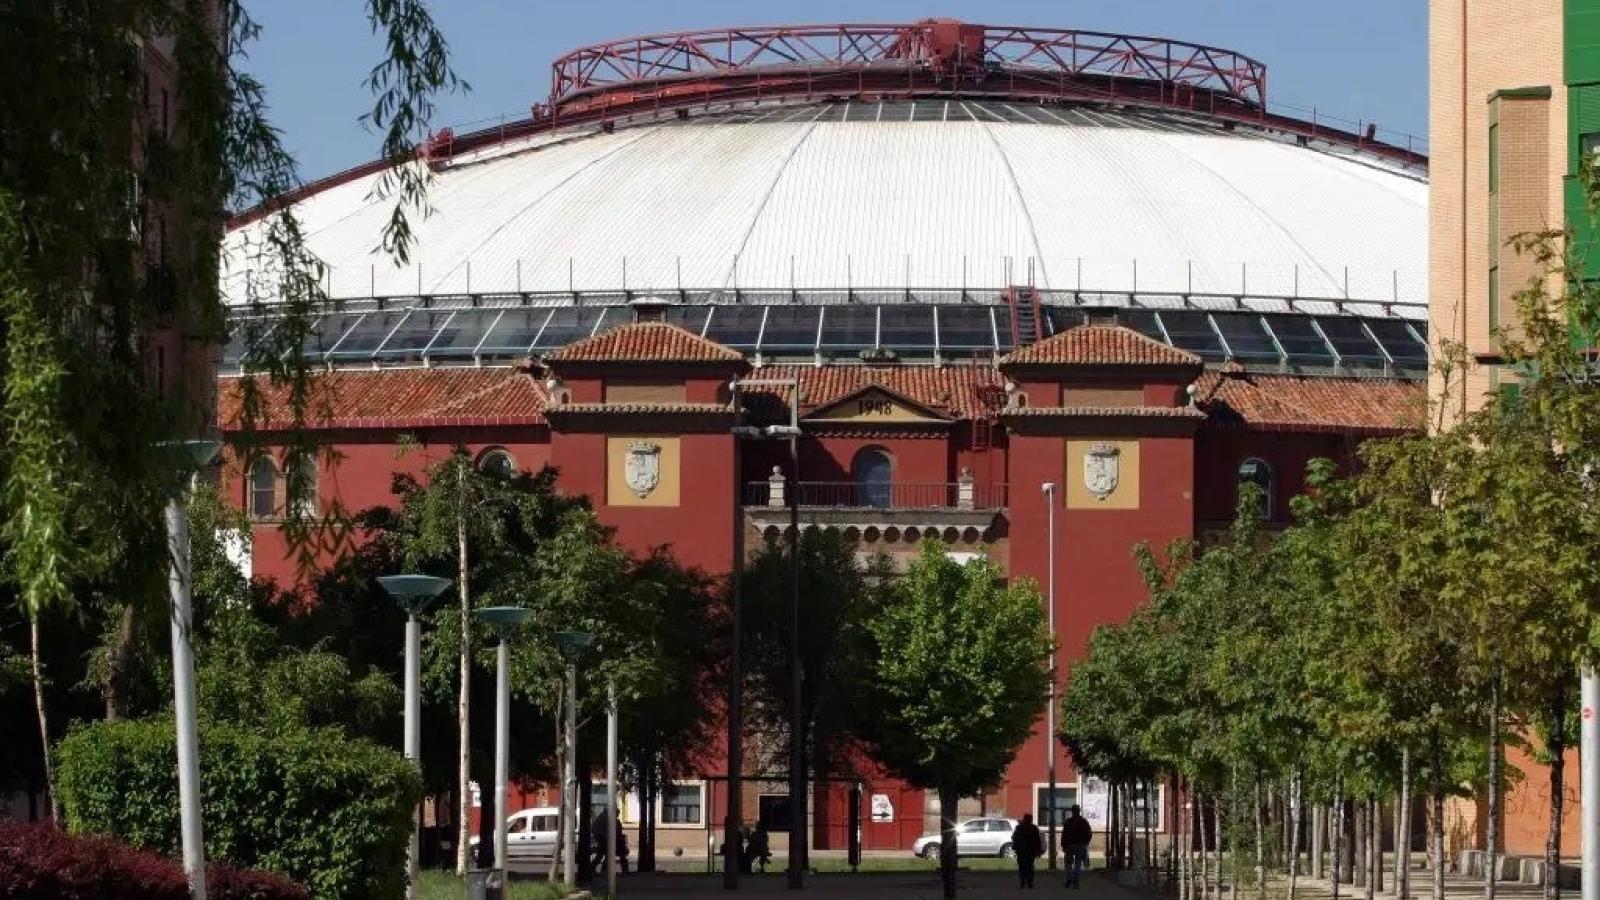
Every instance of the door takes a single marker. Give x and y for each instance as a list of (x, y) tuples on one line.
[(974, 839), (542, 832), (517, 837), (999, 833)]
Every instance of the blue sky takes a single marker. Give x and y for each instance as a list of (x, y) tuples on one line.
[(1358, 59)]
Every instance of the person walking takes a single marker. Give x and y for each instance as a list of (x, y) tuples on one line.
[(760, 847), (1028, 845), (1076, 833)]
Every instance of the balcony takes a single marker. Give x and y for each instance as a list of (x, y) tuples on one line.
[(872, 508)]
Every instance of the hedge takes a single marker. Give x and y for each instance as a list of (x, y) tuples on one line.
[(331, 812), (41, 862)]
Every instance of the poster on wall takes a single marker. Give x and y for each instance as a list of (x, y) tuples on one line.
[(882, 809), (1096, 802)]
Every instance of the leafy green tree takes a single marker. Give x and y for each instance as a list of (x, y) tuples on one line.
[(85, 298), (959, 680), (840, 595)]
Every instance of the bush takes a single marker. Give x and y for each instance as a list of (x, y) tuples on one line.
[(331, 812), (39, 861)]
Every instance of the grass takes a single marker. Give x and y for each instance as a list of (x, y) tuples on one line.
[(437, 885)]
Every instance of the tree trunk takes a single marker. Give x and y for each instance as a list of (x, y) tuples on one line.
[(1347, 818), (585, 836), (1402, 843), (647, 815), (119, 660), (1336, 827), (1216, 847), (947, 845), (1294, 834), (464, 697), (52, 799), (1317, 831), (561, 807), (1491, 827), (1436, 827), (1361, 851), (1557, 749), (1261, 848), (1113, 842), (1377, 844), (1374, 862)]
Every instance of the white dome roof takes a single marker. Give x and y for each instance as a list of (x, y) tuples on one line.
[(931, 195)]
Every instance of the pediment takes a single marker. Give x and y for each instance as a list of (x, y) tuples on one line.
[(876, 405)]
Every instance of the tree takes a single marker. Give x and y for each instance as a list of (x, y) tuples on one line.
[(959, 680), (85, 299), (840, 595)]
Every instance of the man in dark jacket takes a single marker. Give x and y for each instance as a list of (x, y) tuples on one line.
[(1027, 844), (1076, 833)]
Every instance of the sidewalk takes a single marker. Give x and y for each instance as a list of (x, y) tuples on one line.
[(872, 886)]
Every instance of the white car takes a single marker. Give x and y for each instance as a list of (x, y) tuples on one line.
[(974, 837), (531, 834)]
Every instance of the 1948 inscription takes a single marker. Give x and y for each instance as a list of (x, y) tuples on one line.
[(874, 406)]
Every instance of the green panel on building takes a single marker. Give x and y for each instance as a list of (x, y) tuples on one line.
[(1581, 39)]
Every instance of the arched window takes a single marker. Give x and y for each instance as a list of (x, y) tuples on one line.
[(307, 484), (263, 488), (1257, 472), (498, 462), (872, 471)]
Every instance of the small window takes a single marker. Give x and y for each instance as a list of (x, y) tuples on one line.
[(1494, 159), (1148, 816), (1043, 810), (546, 823), (1589, 147), (680, 804), (518, 825), (773, 811), (973, 827), (305, 482), (1000, 825), (263, 488), (872, 472), (497, 462), (1257, 472)]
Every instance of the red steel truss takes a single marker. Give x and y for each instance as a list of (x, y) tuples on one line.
[(935, 54)]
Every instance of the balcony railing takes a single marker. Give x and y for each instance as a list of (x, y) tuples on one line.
[(963, 494)]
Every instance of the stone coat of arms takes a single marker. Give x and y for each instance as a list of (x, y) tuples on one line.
[(642, 468), (1100, 470)]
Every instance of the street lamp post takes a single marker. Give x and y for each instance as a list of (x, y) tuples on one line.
[(572, 644), (504, 621), (613, 808), (1049, 489), (413, 593), (797, 780), (190, 457)]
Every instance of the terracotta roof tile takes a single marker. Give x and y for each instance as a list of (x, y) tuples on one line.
[(400, 398), (1101, 345), (646, 342), (960, 392), (1075, 412), (1302, 403), (617, 409)]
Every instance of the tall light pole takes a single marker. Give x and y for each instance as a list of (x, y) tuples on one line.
[(189, 457), (504, 621), (572, 644), (413, 593), (797, 781), (613, 808), (1589, 754), (1049, 489)]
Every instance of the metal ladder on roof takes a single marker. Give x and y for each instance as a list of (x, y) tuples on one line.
[(1027, 318)]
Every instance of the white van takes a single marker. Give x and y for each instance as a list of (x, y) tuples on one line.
[(531, 834)]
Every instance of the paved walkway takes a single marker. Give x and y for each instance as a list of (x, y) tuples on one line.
[(871, 886)]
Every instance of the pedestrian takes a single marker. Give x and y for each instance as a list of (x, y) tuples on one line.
[(745, 839), (1028, 845), (760, 848), (1076, 833)]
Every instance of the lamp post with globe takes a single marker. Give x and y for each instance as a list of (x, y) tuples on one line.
[(187, 458), (414, 593), (572, 645), (504, 621)]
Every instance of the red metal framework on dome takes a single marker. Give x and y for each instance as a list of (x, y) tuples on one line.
[(931, 56)]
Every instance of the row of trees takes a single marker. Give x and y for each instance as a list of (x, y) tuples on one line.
[(1421, 613)]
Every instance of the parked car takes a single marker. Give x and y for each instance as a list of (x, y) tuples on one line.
[(531, 834), (974, 837)]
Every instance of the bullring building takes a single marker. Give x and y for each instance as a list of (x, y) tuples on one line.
[(971, 260)]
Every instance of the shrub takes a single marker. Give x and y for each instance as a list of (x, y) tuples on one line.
[(40, 862), (331, 812)]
